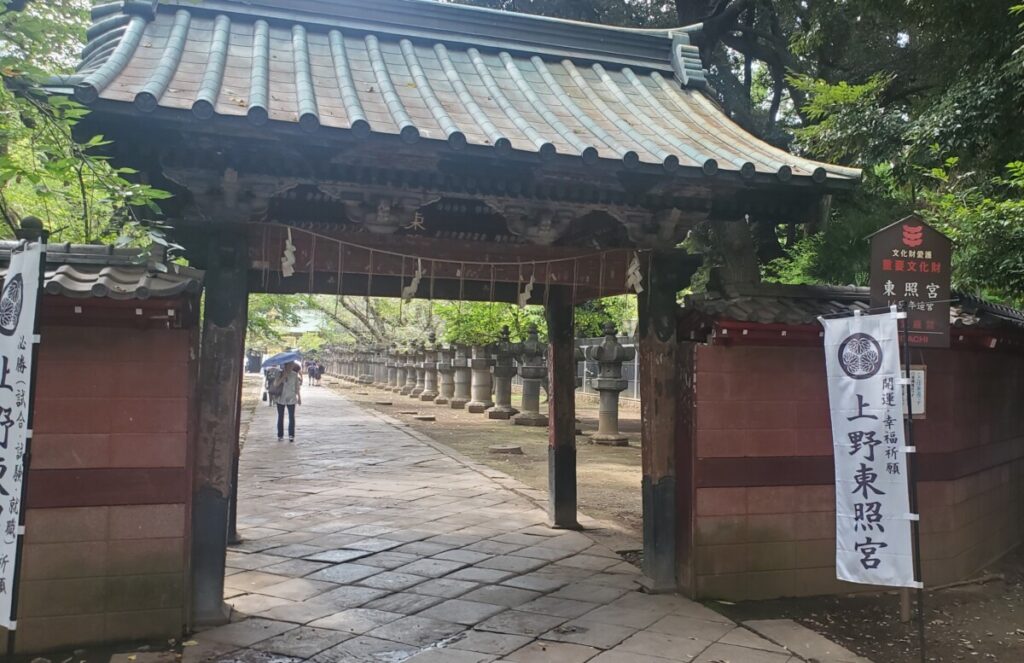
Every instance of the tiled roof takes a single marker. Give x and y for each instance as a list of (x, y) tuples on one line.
[(428, 70), (82, 271), (802, 305)]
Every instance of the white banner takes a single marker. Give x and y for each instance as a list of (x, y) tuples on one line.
[(17, 332), (873, 519)]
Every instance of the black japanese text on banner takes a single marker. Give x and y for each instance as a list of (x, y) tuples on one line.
[(17, 327), (873, 519)]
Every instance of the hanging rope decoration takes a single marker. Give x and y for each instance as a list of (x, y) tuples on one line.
[(410, 290), (527, 293), (634, 278), (288, 259)]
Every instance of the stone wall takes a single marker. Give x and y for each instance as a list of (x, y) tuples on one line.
[(762, 502)]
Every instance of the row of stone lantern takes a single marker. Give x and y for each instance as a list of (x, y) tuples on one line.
[(479, 379)]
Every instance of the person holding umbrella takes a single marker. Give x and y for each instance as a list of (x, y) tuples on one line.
[(288, 386)]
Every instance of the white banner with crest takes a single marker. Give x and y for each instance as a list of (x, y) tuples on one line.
[(873, 519), (17, 334)]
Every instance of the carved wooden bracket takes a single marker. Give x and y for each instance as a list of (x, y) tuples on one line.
[(662, 229), (227, 197)]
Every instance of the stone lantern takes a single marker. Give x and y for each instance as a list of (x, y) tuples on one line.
[(445, 375), (532, 370), (461, 379), (400, 372), (504, 370), (420, 372), (609, 355), (365, 366), (430, 369), (392, 366), (410, 370), (480, 379)]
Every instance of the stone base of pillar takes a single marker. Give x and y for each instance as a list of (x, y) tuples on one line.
[(530, 419), (415, 393), (428, 396), (440, 400), (610, 440), (478, 407), (457, 404), (365, 379), (404, 391), (501, 412)]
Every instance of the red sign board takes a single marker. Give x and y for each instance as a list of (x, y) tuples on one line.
[(911, 262)]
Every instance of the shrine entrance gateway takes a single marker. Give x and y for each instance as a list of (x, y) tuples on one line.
[(483, 155)]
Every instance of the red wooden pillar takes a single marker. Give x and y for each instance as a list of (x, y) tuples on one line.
[(659, 409), (562, 410), (221, 357)]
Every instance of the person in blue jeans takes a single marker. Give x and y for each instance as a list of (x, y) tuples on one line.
[(290, 385)]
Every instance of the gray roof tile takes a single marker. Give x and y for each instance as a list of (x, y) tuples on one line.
[(83, 271), (503, 82), (802, 305)]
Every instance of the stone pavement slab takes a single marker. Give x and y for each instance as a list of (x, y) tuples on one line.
[(367, 541)]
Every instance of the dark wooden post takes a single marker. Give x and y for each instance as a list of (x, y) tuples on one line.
[(220, 375), (659, 404), (562, 410)]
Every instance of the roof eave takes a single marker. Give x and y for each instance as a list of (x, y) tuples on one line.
[(215, 125)]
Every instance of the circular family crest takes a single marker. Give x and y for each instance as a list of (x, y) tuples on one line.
[(860, 356), (10, 305)]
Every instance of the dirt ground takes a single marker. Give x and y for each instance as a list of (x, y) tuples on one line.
[(982, 621), (608, 477)]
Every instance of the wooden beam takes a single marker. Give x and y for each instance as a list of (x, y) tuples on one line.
[(562, 410), (659, 359), (220, 375)]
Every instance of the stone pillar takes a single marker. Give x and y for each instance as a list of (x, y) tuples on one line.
[(217, 399), (460, 362), (609, 357), (505, 352), (401, 372), (480, 379), (445, 373), (410, 371), (430, 369), (365, 368), (532, 370), (421, 373), (392, 368), (380, 373)]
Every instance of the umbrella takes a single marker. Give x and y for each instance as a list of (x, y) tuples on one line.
[(282, 358)]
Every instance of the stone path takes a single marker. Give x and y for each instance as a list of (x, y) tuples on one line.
[(365, 541)]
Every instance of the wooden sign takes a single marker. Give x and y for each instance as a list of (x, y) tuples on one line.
[(912, 262)]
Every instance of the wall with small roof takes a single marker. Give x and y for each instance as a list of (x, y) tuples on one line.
[(106, 542), (756, 444)]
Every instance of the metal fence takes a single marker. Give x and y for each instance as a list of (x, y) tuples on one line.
[(588, 369)]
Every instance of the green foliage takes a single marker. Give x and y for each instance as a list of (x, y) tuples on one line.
[(591, 316), (847, 124), (479, 323), (45, 170), (985, 220), (270, 316)]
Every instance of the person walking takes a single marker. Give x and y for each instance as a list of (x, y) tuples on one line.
[(270, 390), (289, 384)]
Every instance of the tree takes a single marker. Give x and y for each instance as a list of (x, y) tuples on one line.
[(45, 170), (948, 146), (270, 316)]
